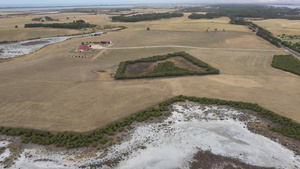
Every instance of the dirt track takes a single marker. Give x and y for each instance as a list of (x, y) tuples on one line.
[(195, 47)]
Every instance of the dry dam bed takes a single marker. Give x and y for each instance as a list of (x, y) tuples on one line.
[(191, 133)]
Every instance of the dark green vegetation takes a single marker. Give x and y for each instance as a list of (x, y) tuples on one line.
[(287, 63), (80, 24), (245, 11), (46, 18), (237, 13), (8, 41), (72, 140), (146, 17), (293, 46), (284, 36), (166, 69), (207, 16), (265, 34), (259, 30), (199, 9), (120, 10)]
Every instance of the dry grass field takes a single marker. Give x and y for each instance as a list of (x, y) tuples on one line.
[(48, 90), (9, 32), (280, 26)]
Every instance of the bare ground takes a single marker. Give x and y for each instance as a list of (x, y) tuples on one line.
[(205, 159)]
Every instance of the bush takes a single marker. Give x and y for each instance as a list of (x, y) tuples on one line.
[(80, 24), (207, 16), (146, 17), (73, 140), (287, 63), (166, 68)]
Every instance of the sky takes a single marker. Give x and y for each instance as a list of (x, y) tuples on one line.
[(105, 2)]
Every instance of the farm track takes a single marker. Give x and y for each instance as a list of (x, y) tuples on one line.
[(193, 47), (99, 54)]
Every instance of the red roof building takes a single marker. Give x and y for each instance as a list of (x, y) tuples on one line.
[(105, 42), (83, 48)]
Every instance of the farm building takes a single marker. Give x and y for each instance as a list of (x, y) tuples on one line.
[(95, 34), (83, 48), (105, 42)]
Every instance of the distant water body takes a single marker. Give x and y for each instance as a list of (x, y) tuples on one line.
[(38, 8), (287, 6)]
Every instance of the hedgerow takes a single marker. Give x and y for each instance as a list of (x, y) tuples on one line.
[(285, 125), (160, 71)]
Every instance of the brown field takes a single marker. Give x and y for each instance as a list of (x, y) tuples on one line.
[(9, 32), (146, 67), (48, 90), (280, 26)]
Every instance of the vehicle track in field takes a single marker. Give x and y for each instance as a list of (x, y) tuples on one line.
[(193, 47)]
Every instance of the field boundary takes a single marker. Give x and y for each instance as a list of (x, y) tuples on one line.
[(167, 68), (194, 47), (283, 125)]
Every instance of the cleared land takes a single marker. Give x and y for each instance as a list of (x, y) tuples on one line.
[(9, 32), (280, 26), (51, 91)]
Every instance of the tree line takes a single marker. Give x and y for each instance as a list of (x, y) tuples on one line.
[(120, 74), (287, 63), (80, 24), (146, 17), (206, 16), (284, 125), (245, 11), (293, 46), (265, 34), (75, 140)]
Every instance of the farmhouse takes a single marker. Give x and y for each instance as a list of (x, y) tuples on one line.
[(105, 42), (83, 48)]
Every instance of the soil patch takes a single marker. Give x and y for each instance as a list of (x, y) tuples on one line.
[(205, 159), (139, 68), (34, 43)]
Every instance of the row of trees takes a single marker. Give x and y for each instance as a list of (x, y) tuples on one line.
[(265, 34), (293, 46), (268, 36), (73, 140), (246, 11), (80, 24), (146, 17), (284, 36), (285, 125), (206, 16), (287, 63), (259, 30), (160, 71)]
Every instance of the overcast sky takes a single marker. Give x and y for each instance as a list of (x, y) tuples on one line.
[(101, 2)]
